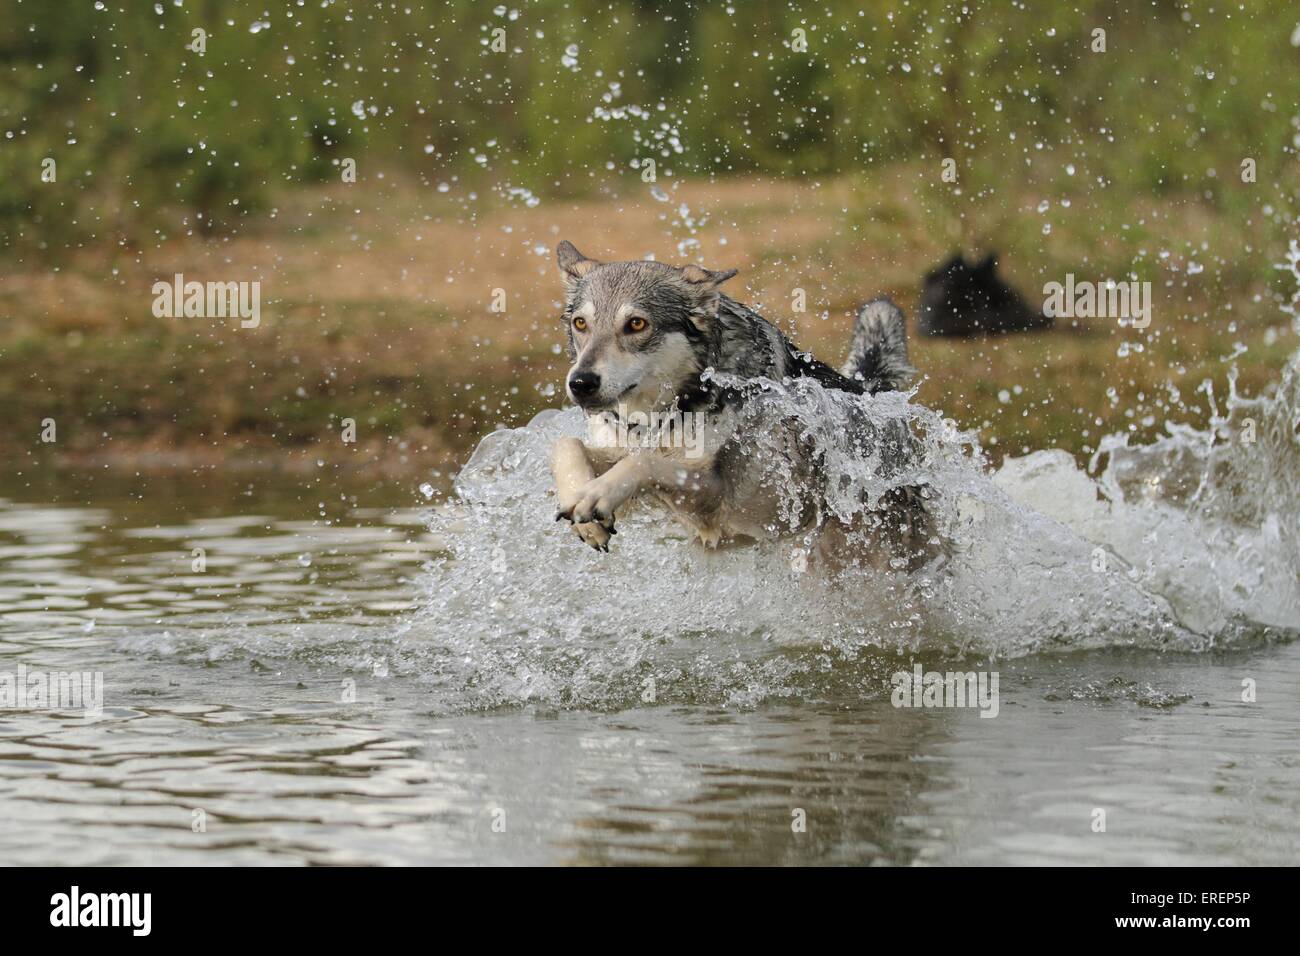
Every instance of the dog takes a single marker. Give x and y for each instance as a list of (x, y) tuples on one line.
[(967, 299), (650, 341)]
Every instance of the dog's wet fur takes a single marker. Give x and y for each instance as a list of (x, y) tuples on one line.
[(967, 299), (647, 337)]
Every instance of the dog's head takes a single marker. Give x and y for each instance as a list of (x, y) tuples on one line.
[(969, 298), (958, 284), (635, 329)]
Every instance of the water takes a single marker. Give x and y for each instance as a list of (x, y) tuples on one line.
[(225, 693), (296, 671)]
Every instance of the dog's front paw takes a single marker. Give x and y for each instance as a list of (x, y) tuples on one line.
[(594, 535), (595, 504), (593, 532)]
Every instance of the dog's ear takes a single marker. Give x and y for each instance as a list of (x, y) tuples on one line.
[(706, 279), (704, 283), (573, 264)]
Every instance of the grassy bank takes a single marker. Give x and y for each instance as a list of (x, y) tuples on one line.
[(380, 312), (803, 143)]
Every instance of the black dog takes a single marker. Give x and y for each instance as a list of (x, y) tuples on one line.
[(962, 299)]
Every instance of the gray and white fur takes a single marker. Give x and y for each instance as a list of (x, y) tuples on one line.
[(644, 338)]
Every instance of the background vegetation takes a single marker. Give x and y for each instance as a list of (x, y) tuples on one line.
[(140, 124), (1116, 163)]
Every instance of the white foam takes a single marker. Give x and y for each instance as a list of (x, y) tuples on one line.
[(1188, 543)]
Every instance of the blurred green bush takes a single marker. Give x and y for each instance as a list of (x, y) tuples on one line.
[(152, 139)]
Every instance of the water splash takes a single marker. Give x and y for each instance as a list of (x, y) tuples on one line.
[(1188, 543)]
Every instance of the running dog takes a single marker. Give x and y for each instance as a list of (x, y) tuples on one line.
[(653, 343)]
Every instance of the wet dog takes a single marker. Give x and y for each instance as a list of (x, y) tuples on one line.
[(656, 348), (967, 299)]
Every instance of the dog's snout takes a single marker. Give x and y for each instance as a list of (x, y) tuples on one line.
[(584, 384)]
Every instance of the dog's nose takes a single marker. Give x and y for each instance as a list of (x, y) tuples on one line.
[(583, 384)]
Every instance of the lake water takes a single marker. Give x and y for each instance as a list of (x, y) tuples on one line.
[(335, 682)]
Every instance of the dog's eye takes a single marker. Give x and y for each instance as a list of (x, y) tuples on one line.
[(637, 324), (580, 324)]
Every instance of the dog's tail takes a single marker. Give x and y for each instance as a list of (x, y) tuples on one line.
[(878, 352)]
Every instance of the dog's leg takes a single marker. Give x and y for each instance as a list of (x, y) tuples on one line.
[(573, 472), (600, 497)]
